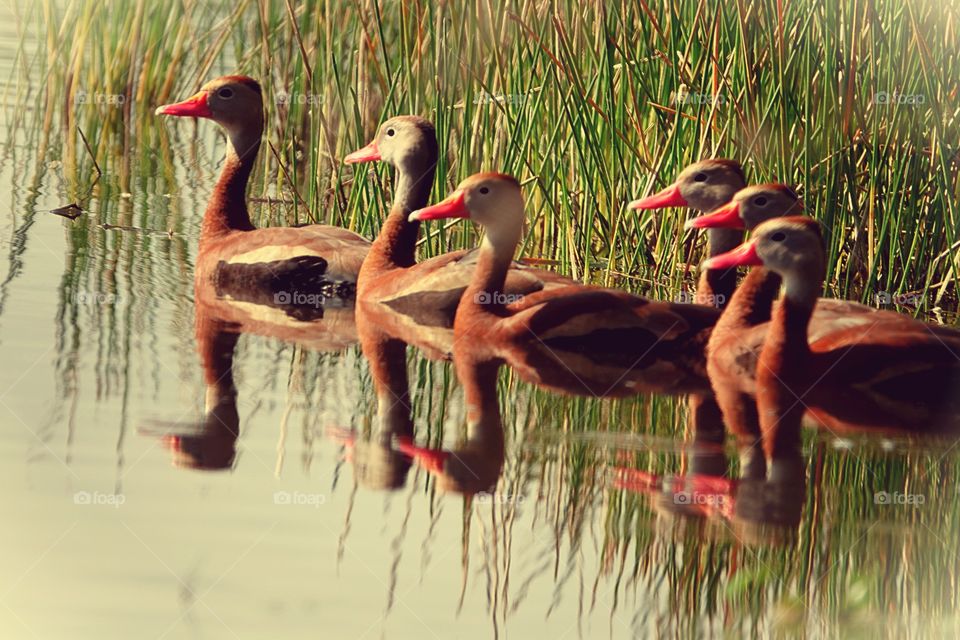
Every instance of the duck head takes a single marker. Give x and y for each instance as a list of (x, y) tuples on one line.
[(750, 207), (492, 200), (791, 246), (233, 102), (406, 142), (703, 185)]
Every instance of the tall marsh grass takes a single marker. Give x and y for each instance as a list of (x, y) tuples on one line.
[(856, 103)]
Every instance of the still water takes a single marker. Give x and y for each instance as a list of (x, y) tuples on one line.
[(131, 514)]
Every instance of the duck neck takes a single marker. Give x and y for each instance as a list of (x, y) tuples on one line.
[(388, 369), (751, 303), (484, 295), (396, 244), (215, 344), (787, 337), (783, 373), (716, 286), (227, 210)]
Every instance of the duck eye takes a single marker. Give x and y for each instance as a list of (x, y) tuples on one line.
[(779, 236), (700, 177), (484, 190), (391, 132), (760, 201), (226, 93)]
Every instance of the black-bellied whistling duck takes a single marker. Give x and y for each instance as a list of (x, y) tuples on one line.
[(295, 261), (663, 339), (748, 208), (428, 291), (884, 354), (705, 186)]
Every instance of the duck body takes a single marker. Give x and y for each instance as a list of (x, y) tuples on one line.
[(430, 291), (868, 360), (313, 260), (425, 293), (656, 341), (845, 340), (308, 260)]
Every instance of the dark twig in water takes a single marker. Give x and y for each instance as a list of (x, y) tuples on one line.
[(73, 210)]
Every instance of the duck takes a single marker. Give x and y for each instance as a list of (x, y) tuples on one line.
[(705, 186), (426, 293), (310, 260), (662, 341), (749, 208), (882, 354)]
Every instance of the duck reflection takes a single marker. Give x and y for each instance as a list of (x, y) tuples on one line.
[(210, 444), (383, 459), (225, 308), (474, 464), (378, 464), (759, 507)]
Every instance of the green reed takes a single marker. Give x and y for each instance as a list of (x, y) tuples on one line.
[(857, 104)]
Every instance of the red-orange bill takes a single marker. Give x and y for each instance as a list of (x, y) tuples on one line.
[(743, 256), (195, 107), (430, 459), (726, 217), (369, 153), (669, 197), (453, 206)]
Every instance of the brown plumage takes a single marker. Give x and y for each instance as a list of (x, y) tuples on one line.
[(228, 237), (428, 292), (648, 337), (884, 356)]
